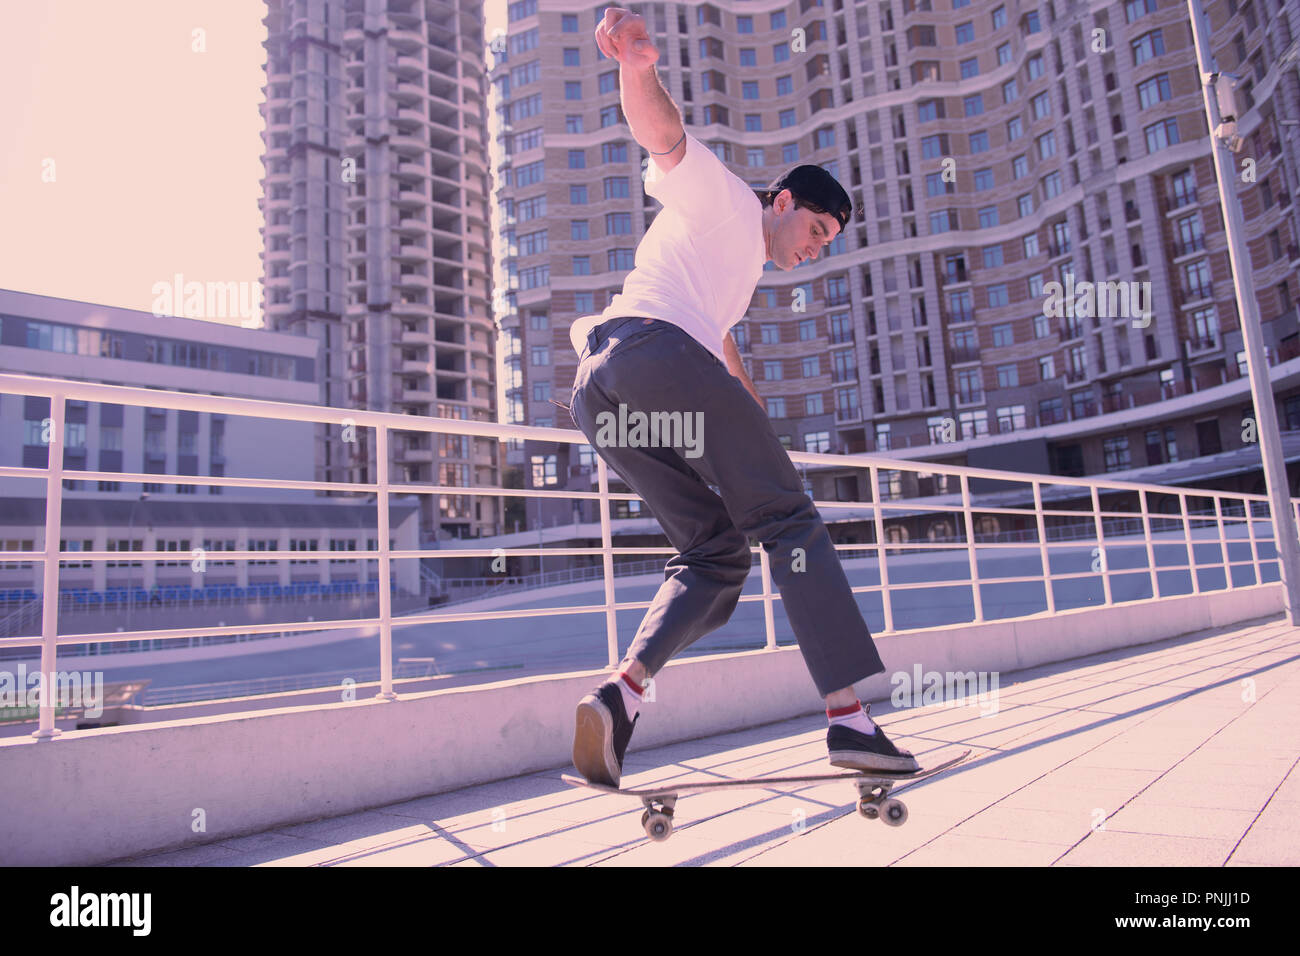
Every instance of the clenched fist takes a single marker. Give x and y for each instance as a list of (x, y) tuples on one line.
[(622, 36)]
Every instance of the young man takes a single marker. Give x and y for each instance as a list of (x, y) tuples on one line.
[(663, 346)]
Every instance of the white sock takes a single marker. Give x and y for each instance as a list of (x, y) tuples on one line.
[(858, 720), (631, 699)]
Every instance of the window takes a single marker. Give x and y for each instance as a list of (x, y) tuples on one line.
[(541, 355), (616, 187), (618, 223), (1152, 91), (983, 179), (1047, 368), (620, 259), (613, 152), (1008, 376), (775, 407), (609, 116), (1162, 446), (1046, 144), (970, 68), (973, 105), (992, 256), (573, 89), (824, 137), (533, 208), (744, 24), (1014, 128), (531, 243), (988, 217), (811, 366), (608, 82), (786, 118), (572, 56), (1147, 46), (784, 85), (965, 32), (1031, 245), (578, 229), (772, 371), (1034, 66), (749, 89), (778, 20), (1010, 90), (569, 23), (753, 123), (1011, 418), (979, 142), (1019, 167), (807, 329), (578, 195), (927, 110), (1136, 9), (1042, 327), (974, 423), (1041, 105), (790, 153), (577, 159), (582, 265), (817, 442), (813, 405), (584, 302), (573, 123), (1162, 134), (748, 56), (769, 334), (1002, 334), (1116, 453), (780, 53), (523, 42), (1031, 22), (1053, 183), (545, 471), (754, 156), (1004, 54), (535, 277), (969, 385), (999, 18), (541, 391)]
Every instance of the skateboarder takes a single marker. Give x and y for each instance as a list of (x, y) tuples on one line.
[(663, 346)]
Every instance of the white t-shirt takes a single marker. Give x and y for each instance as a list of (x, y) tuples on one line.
[(701, 258)]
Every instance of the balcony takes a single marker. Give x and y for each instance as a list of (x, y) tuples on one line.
[(1185, 247), (41, 832), (1195, 293), (963, 353), (1178, 200)]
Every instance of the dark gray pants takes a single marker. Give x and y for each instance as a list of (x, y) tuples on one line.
[(656, 367)]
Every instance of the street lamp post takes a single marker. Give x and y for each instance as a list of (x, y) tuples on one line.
[(130, 564), (1222, 113)]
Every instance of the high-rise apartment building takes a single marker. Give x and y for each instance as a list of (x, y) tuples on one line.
[(992, 148), (376, 231)]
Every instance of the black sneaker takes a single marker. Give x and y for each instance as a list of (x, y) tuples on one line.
[(601, 734), (855, 750)]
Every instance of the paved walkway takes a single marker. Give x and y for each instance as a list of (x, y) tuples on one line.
[(1182, 753)]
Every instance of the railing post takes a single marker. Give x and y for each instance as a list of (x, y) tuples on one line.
[(765, 570), (50, 597), (1254, 544), (1042, 549), (1151, 548), (385, 566), (607, 560), (885, 602), (1191, 545), (970, 549), (1223, 545), (1108, 600)]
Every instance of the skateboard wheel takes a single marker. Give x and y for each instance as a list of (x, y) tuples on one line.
[(893, 812), (868, 809), (658, 826)]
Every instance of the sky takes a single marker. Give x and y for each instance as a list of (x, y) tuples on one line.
[(132, 145)]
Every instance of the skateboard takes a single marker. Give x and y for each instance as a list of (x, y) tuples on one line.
[(874, 801)]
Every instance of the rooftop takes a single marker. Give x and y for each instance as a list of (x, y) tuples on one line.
[(1178, 753)]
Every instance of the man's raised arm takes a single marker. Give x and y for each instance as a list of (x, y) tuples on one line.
[(655, 121)]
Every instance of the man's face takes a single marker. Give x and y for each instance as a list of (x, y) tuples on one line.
[(798, 233)]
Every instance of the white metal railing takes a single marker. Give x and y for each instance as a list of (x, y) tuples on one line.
[(1243, 508)]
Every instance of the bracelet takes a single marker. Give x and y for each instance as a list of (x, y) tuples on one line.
[(672, 148)]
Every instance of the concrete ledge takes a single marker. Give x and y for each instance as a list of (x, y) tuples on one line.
[(93, 796)]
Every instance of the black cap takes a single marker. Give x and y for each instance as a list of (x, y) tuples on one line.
[(815, 187)]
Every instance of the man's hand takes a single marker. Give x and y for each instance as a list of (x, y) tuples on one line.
[(622, 36)]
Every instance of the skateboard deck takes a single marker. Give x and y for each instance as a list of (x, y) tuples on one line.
[(874, 801)]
